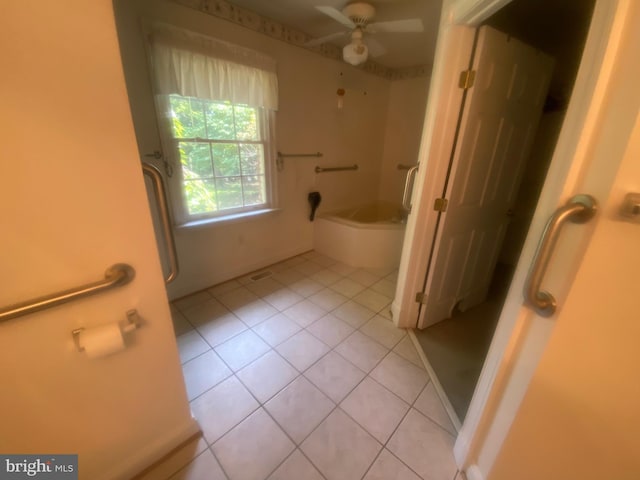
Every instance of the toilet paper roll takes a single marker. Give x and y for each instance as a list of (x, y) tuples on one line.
[(101, 341)]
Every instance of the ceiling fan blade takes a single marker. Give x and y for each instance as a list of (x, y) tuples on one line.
[(410, 25), (337, 15), (376, 49), (327, 38)]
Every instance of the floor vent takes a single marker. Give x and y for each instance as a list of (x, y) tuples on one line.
[(261, 275)]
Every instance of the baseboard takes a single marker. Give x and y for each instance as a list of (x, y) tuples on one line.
[(462, 446), (474, 473), (176, 293), (395, 312), (147, 455)]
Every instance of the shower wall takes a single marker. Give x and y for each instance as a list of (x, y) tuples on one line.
[(308, 120)]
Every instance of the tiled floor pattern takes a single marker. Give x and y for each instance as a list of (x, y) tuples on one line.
[(302, 375)]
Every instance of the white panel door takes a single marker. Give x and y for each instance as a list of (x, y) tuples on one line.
[(498, 124)]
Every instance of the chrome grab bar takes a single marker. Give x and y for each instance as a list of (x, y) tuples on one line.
[(281, 156), (116, 276), (285, 155), (579, 209), (402, 166), (335, 169), (406, 196), (161, 199)]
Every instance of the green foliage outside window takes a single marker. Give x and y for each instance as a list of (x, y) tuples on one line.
[(221, 154)]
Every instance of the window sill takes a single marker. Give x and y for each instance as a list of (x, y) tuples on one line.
[(227, 219)]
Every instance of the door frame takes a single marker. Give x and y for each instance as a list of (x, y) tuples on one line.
[(475, 227), (509, 365)]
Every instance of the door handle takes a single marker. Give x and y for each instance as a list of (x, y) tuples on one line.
[(579, 209), (406, 196)]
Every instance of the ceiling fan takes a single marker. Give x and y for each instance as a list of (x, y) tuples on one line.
[(357, 17)]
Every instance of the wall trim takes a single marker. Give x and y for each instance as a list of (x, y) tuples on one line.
[(150, 454), (176, 291), (474, 473), (472, 12)]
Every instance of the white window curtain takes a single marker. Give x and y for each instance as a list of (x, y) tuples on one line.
[(193, 65)]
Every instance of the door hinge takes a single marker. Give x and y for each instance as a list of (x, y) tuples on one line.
[(421, 298), (440, 205), (467, 78)]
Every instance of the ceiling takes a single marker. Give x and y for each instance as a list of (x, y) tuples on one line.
[(550, 25), (402, 49)]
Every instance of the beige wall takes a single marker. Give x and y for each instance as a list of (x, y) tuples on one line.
[(72, 202), (308, 120), (407, 104)]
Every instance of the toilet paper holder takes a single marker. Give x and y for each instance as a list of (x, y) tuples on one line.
[(133, 322)]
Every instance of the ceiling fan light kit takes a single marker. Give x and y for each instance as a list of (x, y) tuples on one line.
[(355, 52), (357, 16)]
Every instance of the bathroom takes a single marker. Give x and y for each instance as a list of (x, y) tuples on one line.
[(74, 203), (293, 313), (377, 126)]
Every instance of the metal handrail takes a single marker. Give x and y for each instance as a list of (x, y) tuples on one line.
[(335, 169), (579, 209), (406, 195), (402, 166), (161, 199), (285, 155), (115, 276), (281, 156)]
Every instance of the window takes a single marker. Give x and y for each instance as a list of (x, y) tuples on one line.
[(221, 155), (216, 105)]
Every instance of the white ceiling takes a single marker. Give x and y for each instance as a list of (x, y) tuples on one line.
[(403, 49)]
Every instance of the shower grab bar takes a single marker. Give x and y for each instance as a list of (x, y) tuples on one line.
[(285, 155), (402, 166), (116, 275), (336, 169), (281, 156), (161, 199), (579, 209), (406, 195)]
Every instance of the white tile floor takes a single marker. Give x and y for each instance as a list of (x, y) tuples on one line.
[(301, 375)]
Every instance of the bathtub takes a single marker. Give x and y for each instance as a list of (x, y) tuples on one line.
[(369, 236)]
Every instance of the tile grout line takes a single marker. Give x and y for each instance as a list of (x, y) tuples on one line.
[(331, 349), (298, 372), (411, 406), (224, 472)]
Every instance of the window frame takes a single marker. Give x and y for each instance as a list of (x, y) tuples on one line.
[(265, 120)]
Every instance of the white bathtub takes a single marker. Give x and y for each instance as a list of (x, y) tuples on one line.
[(369, 236)]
